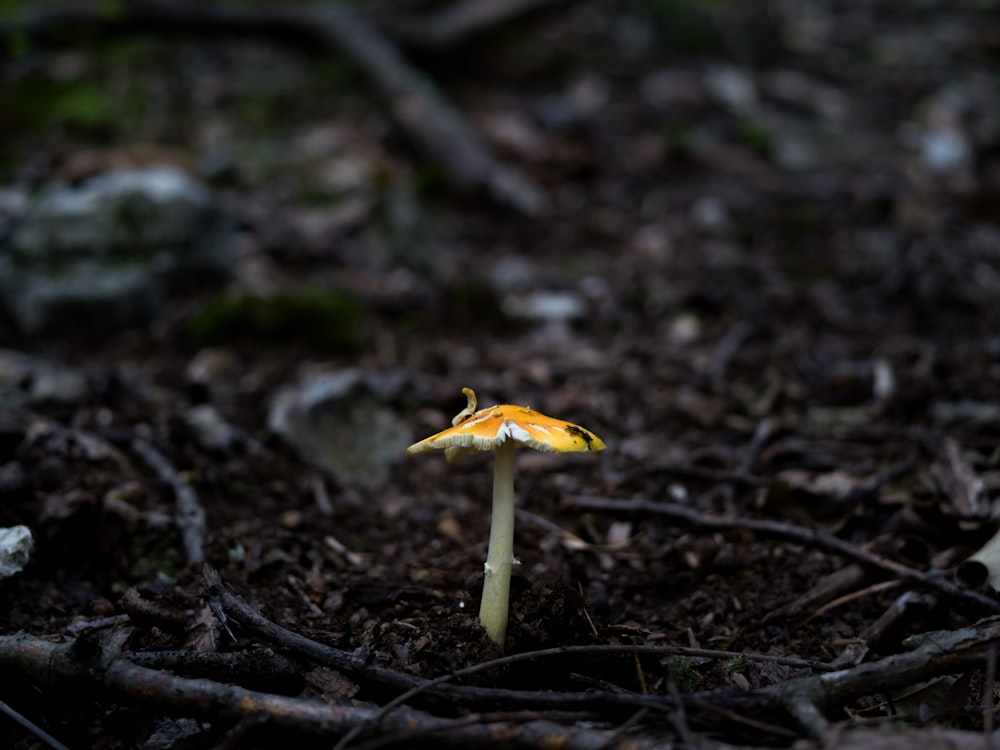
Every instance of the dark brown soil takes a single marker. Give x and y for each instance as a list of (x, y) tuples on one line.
[(810, 343)]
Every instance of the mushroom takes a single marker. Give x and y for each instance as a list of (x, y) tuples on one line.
[(500, 429)]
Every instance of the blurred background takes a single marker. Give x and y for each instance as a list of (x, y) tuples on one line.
[(753, 245)]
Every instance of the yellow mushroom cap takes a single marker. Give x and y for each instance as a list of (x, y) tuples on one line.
[(476, 431)]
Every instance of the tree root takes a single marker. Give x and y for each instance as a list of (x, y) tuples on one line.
[(807, 537), (786, 709), (427, 116), (84, 664)]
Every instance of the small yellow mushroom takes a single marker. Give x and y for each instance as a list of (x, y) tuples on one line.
[(500, 429)]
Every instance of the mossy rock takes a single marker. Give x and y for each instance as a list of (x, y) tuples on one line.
[(327, 319)]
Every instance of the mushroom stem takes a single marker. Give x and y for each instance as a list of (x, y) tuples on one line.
[(493, 611)]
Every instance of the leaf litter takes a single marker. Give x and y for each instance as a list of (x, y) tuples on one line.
[(766, 275)]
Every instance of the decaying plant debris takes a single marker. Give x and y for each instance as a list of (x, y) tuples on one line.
[(753, 246)]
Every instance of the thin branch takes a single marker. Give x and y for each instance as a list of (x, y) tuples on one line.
[(433, 121), (32, 727), (820, 593), (934, 654), (256, 668), (434, 692), (858, 648), (425, 113), (320, 653), (691, 471), (713, 713), (189, 515), (459, 21), (807, 699), (679, 719), (761, 434), (95, 667), (807, 537), (582, 652), (989, 694)]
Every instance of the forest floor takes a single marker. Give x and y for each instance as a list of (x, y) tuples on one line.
[(763, 266)]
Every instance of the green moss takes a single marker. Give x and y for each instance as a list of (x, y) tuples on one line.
[(106, 98), (327, 319), (474, 301), (690, 26), (79, 105), (683, 673), (332, 74), (111, 9), (411, 320), (162, 564), (315, 194), (681, 139), (573, 267), (756, 136), (729, 644), (365, 545), (261, 109), (430, 181), (801, 217), (735, 663)]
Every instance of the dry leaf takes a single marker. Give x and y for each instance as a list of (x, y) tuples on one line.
[(960, 483), (824, 500), (982, 567), (203, 635)]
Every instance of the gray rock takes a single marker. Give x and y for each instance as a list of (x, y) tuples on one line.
[(212, 431), (339, 422), (15, 549), (710, 214), (110, 252), (28, 380), (945, 150), (58, 384), (546, 306), (734, 88)]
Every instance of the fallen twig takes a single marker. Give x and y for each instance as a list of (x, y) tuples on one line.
[(259, 668), (189, 515), (461, 20), (807, 537), (425, 113), (934, 654), (93, 667), (151, 611), (858, 648), (429, 118), (737, 476), (358, 667), (989, 694), (409, 688), (679, 719), (820, 594), (32, 727), (567, 700), (808, 699)]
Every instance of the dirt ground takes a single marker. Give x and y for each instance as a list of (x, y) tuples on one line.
[(766, 274)]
